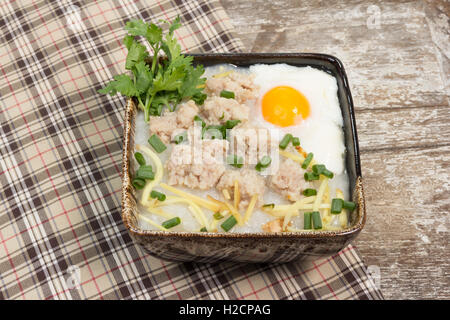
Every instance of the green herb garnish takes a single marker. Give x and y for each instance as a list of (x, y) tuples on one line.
[(139, 158), (318, 168), (229, 223), (336, 205), (216, 132), (145, 173), (327, 173), (285, 141), (308, 160), (227, 94), (307, 220), (310, 176), (218, 216), (235, 161), (317, 220), (138, 183), (263, 163), (171, 223), (349, 205), (230, 124), (180, 138), (309, 192), (156, 143), (198, 119), (157, 83), (158, 195)]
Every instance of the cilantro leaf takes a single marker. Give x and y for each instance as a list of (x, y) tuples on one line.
[(199, 98), (128, 41), (163, 99), (154, 34), (122, 83), (161, 83), (151, 32), (168, 80), (137, 27), (175, 25), (193, 84), (143, 76), (137, 52), (171, 47)]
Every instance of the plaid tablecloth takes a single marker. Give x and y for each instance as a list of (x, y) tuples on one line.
[(61, 234)]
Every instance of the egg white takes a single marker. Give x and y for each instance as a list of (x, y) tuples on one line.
[(321, 133)]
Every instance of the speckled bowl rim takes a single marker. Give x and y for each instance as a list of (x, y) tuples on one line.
[(129, 206)]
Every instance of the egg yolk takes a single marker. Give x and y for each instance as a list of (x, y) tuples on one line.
[(284, 106)]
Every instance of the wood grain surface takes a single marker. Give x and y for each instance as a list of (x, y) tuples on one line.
[(397, 58)]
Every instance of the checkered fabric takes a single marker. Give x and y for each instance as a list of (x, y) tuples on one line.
[(61, 234)]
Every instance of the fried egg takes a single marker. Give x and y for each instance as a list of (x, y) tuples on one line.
[(302, 101)]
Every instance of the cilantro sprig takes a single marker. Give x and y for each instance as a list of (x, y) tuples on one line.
[(154, 81)]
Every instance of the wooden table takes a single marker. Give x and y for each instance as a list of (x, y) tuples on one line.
[(396, 54)]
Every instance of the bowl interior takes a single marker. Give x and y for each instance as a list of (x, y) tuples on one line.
[(323, 62)]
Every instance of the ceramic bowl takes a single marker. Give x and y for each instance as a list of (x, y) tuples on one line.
[(251, 247)]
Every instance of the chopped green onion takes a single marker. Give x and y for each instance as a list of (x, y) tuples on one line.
[(157, 144), (213, 129), (139, 158), (222, 116), (218, 216), (263, 163), (145, 173), (317, 220), (285, 141), (318, 168), (310, 176), (198, 119), (230, 124), (179, 138), (295, 141), (350, 205), (203, 229), (307, 220), (321, 169), (235, 161), (309, 192), (227, 94), (327, 173), (269, 205), (229, 223), (307, 161), (171, 223), (138, 183), (336, 205), (157, 195)]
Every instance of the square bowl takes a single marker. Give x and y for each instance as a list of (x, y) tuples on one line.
[(251, 247)]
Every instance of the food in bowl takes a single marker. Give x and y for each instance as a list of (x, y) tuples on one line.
[(227, 149)]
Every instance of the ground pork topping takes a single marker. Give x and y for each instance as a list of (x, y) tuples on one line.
[(197, 165), (241, 84), (171, 123), (289, 180), (218, 110), (252, 143), (249, 181)]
